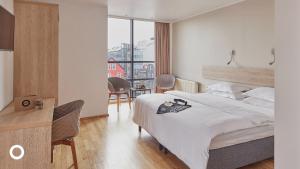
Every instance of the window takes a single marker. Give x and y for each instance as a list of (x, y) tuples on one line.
[(113, 66), (119, 48), (131, 51)]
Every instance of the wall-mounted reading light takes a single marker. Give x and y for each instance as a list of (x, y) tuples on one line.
[(232, 57), (273, 54)]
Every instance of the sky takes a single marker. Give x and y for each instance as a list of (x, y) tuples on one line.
[(119, 31)]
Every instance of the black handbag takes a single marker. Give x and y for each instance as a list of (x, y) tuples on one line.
[(173, 107)]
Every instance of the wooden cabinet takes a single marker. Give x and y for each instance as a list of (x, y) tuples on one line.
[(30, 129)]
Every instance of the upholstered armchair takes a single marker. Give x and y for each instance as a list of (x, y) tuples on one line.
[(65, 126), (165, 82)]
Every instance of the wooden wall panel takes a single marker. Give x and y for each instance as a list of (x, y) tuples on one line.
[(36, 49), (250, 76)]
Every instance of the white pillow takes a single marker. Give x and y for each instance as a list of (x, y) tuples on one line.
[(266, 93), (259, 102), (227, 87), (235, 96)]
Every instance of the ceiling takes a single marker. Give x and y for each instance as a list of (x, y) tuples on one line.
[(164, 10), (158, 10)]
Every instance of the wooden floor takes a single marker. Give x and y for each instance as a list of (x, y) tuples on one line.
[(114, 143)]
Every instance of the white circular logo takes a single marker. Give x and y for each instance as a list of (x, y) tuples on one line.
[(21, 152)]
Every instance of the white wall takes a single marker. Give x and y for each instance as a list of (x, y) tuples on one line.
[(287, 115), (247, 27), (82, 55), (6, 67)]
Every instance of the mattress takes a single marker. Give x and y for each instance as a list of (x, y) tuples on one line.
[(241, 136)]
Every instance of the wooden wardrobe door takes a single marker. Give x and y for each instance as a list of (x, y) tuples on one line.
[(36, 49)]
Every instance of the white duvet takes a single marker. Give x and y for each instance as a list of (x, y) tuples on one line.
[(188, 133)]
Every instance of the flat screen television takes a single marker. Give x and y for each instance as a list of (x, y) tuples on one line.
[(7, 30)]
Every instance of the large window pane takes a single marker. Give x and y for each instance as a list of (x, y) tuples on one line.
[(143, 70), (118, 40), (137, 65), (122, 70), (143, 41), (149, 84)]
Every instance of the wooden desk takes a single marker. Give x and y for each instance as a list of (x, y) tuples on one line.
[(30, 129)]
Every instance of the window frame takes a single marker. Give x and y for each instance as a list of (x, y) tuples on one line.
[(132, 61)]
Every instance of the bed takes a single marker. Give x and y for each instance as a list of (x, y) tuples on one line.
[(213, 134)]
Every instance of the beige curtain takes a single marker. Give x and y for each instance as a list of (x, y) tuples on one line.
[(162, 48)]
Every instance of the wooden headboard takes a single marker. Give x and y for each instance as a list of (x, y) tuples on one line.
[(244, 75)]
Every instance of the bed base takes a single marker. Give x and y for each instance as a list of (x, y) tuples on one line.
[(239, 155)]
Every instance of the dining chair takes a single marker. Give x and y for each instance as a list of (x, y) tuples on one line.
[(65, 126), (118, 86)]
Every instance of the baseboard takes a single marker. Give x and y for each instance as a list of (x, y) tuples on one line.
[(115, 101), (93, 117)]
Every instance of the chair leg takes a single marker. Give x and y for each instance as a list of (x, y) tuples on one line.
[(52, 148), (118, 102), (72, 144), (129, 100), (109, 96)]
